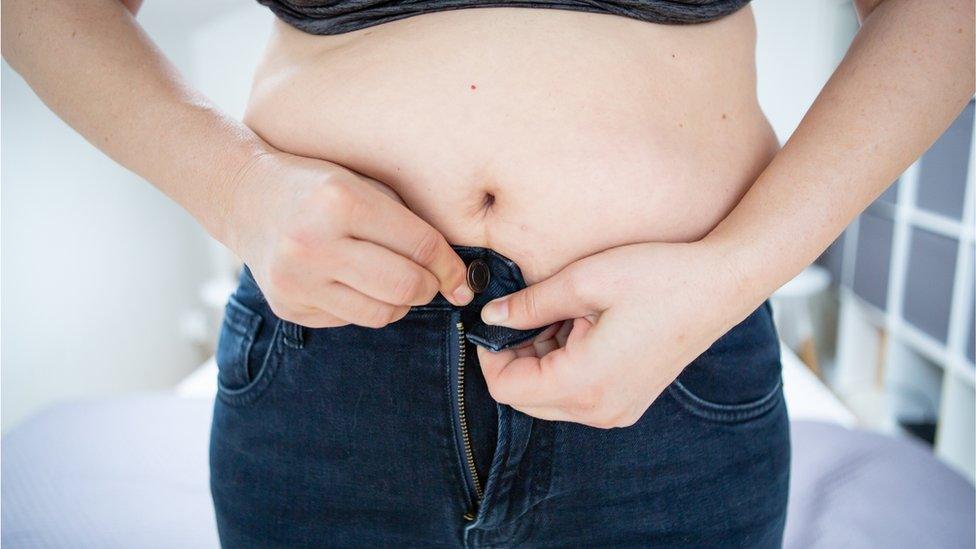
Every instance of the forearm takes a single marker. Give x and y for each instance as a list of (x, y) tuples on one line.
[(92, 64), (906, 76)]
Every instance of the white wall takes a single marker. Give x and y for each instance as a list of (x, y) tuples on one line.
[(799, 44), (99, 270)]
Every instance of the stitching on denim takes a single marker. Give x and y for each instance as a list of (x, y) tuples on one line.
[(244, 323), (546, 447), (524, 530), (725, 412), (294, 334), (242, 319), (252, 391), (539, 491), (503, 472), (493, 346)]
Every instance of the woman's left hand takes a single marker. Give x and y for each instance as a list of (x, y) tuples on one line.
[(625, 322)]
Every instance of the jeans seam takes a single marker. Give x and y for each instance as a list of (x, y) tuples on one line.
[(293, 334), (724, 412), (253, 390)]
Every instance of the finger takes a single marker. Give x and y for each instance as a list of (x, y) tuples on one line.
[(527, 350), (543, 347), (357, 308), (580, 327), (384, 275), (532, 381), (562, 335), (556, 414), (523, 381), (552, 300), (544, 335), (395, 227), (548, 333), (544, 412), (316, 318)]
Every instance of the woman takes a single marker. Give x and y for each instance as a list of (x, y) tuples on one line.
[(402, 164)]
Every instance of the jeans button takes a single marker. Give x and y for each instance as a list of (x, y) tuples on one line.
[(479, 275)]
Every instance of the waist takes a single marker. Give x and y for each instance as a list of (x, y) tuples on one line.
[(543, 134)]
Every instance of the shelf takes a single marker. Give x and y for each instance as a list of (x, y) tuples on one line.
[(954, 363)]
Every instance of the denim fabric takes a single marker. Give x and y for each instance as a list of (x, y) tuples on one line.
[(353, 437)]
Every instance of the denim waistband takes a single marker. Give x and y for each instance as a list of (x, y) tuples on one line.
[(503, 277)]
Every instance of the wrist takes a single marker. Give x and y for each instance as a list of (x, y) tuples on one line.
[(739, 285), (233, 191)]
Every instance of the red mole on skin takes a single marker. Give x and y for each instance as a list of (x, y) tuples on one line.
[(473, 87)]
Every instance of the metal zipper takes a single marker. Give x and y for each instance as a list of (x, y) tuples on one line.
[(463, 422)]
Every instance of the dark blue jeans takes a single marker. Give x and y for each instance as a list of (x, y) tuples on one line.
[(360, 437)]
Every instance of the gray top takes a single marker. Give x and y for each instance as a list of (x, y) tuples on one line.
[(339, 16)]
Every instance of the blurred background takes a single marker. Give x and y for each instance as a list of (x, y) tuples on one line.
[(111, 289)]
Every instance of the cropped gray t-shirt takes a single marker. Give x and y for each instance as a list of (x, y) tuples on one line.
[(339, 16)]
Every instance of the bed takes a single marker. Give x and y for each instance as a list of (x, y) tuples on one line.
[(131, 472)]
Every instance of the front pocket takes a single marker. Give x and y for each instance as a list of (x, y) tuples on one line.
[(729, 413), (739, 377), (245, 353)]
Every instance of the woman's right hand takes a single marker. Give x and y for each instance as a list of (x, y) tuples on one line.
[(330, 247)]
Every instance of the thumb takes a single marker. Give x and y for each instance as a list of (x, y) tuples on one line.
[(551, 300)]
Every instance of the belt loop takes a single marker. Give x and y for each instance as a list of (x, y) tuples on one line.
[(294, 334)]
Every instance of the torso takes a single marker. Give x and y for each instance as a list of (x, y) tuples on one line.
[(546, 135)]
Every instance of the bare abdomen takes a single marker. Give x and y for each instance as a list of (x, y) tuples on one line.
[(546, 135)]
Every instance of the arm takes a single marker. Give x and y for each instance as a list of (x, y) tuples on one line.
[(906, 76), (642, 312), (290, 218), (92, 64)]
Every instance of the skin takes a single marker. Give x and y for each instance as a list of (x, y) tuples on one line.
[(640, 313), (629, 309), (296, 190), (643, 147), (318, 237)]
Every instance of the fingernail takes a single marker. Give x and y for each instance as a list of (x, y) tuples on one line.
[(495, 312), (463, 294)]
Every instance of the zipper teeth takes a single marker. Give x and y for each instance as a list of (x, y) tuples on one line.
[(465, 436)]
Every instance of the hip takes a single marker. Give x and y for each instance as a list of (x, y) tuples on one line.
[(360, 436)]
